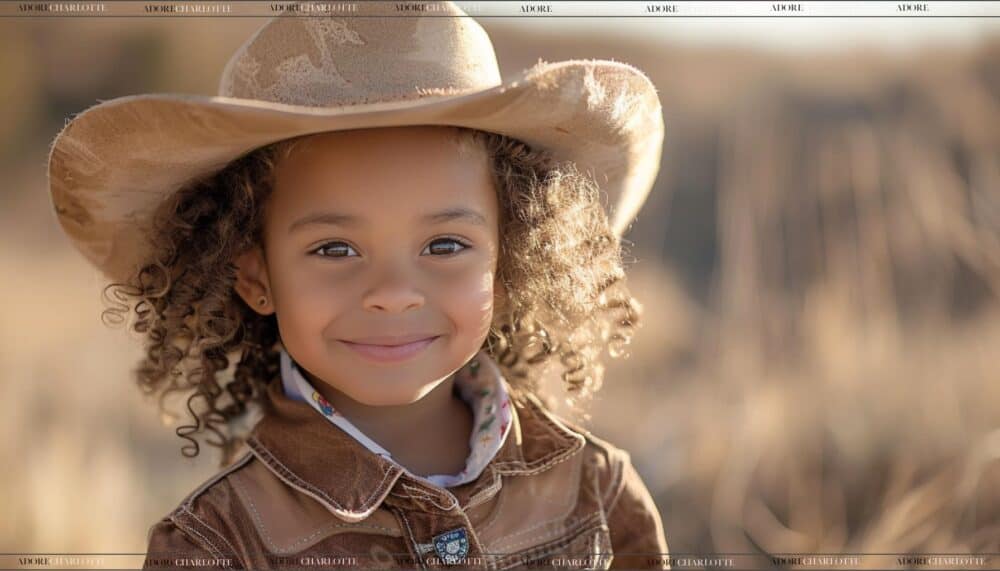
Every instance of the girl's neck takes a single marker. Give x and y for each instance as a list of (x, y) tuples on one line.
[(429, 436)]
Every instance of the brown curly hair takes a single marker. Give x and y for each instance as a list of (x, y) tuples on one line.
[(559, 261)]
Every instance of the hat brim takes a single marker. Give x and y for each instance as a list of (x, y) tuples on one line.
[(115, 162)]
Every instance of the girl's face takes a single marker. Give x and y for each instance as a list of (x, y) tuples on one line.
[(375, 234)]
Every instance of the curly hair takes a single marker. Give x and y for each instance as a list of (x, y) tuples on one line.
[(559, 261)]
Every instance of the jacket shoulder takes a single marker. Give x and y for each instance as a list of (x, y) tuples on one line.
[(634, 521), (198, 527), (605, 461)]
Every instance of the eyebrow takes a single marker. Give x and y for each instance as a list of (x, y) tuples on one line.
[(457, 213)]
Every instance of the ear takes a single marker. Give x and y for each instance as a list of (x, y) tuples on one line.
[(252, 283)]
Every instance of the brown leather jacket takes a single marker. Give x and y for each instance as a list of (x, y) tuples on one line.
[(307, 494)]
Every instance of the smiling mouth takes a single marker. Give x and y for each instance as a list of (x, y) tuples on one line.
[(390, 353)]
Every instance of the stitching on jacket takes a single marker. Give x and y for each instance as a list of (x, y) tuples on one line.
[(485, 491), (305, 539), (211, 547), (573, 477), (256, 515), (196, 539), (566, 456), (293, 476), (413, 539), (554, 428), (615, 471), (211, 529), (595, 485), (186, 505), (189, 500), (572, 533), (215, 531), (321, 500), (618, 483), (573, 490), (496, 513), (547, 522), (424, 495), (479, 485), (549, 420)]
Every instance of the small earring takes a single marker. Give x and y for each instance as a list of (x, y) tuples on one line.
[(262, 300)]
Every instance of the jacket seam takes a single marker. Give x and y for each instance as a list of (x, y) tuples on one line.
[(189, 500), (204, 542), (617, 486), (260, 523), (212, 549), (379, 489), (521, 467), (573, 532), (485, 492), (496, 513), (302, 540), (414, 491), (214, 531), (616, 458), (550, 423), (573, 492), (570, 533), (505, 466), (184, 509), (412, 538)]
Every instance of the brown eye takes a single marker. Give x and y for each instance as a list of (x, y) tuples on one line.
[(446, 246), (333, 250)]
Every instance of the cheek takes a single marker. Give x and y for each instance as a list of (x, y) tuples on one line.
[(314, 284), (299, 325), (468, 300), (307, 303)]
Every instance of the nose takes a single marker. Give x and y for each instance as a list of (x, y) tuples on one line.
[(393, 294)]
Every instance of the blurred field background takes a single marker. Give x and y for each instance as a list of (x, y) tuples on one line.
[(819, 266)]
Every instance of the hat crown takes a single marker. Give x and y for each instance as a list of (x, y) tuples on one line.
[(373, 55)]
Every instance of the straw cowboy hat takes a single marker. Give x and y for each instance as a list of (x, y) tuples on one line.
[(114, 162)]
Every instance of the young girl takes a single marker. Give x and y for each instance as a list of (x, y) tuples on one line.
[(378, 287)]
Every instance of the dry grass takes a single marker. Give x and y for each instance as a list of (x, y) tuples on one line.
[(843, 391)]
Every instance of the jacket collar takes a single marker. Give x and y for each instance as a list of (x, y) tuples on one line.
[(309, 453), (479, 383)]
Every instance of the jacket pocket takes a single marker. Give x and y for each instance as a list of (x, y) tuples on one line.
[(585, 544)]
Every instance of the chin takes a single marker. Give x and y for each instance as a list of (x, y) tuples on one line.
[(383, 399)]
